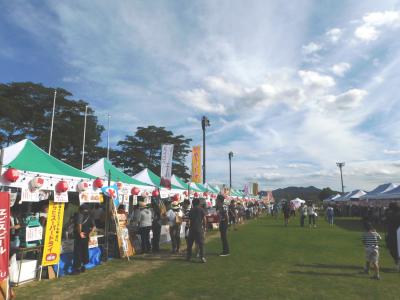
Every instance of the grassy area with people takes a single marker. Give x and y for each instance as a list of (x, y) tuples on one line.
[(267, 261)]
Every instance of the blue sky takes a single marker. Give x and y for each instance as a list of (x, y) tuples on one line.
[(290, 90)]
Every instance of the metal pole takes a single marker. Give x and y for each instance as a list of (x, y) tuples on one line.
[(204, 155), (107, 221), (1, 160), (341, 178), (84, 138), (341, 165), (230, 171), (108, 138), (52, 120)]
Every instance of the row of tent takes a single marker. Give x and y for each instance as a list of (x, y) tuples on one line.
[(33, 162), (387, 191)]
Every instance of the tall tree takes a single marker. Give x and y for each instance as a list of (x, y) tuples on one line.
[(26, 113), (143, 150)]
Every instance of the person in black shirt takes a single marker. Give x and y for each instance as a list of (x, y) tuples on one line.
[(197, 224), (84, 225), (223, 225)]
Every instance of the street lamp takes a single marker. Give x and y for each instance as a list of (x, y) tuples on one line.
[(230, 155), (205, 122), (340, 166)]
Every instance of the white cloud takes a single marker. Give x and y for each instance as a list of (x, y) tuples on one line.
[(315, 80), (387, 151), (199, 100), (219, 84), (340, 69), (311, 48), (334, 34), (350, 99), (373, 21)]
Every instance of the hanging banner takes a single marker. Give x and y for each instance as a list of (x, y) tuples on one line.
[(90, 197), (4, 234), (167, 151), (52, 241), (196, 164)]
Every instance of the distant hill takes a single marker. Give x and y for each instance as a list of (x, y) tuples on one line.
[(292, 192)]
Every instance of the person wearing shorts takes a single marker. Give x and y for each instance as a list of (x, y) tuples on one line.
[(370, 240)]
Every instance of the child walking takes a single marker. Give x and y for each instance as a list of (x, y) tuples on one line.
[(370, 239)]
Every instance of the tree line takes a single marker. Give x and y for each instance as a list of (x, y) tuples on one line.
[(26, 112)]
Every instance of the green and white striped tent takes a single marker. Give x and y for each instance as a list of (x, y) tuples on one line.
[(104, 167), (32, 161), (148, 177), (178, 183)]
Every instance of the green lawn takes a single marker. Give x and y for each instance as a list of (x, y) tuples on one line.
[(268, 261)]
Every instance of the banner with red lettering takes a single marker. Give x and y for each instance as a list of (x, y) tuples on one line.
[(4, 234)]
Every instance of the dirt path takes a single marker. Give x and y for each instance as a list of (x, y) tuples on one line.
[(95, 280)]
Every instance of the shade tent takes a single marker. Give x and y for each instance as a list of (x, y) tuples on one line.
[(332, 198), (178, 183), (211, 189), (194, 187), (297, 202), (393, 194), (28, 158), (104, 167), (355, 195), (148, 177), (342, 198), (201, 187), (381, 189)]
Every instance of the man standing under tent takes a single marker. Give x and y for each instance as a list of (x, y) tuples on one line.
[(223, 225), (393, 228), (145, 222), (84, 225), (197, 224), (174, 217), (303, 214), (156, 224)]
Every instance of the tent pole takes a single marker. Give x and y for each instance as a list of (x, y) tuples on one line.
[(1, 160), (52, 120)]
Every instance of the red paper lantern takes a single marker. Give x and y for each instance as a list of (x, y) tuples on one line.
[(11, 175), (185, 193), (205, 195), (120, 185), (176, 197), (61, 186), (135, 191), (196, 195), (98, 183), (155, 193)]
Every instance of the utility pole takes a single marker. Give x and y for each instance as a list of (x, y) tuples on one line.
[(341, 165), (52, 120), (230, 155), (84, 138), (108, 137), (205, 122)]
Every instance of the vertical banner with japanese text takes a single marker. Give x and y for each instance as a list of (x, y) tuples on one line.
[(167, 151), (196, 164), (4, 234), (52, 241)]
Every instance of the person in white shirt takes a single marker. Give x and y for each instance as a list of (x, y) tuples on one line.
[(174, 217), (311, 215)]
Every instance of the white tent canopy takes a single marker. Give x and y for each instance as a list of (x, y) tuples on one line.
[(381, 189), (297, 202)]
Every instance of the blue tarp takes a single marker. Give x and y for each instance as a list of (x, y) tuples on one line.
[(66, 261)]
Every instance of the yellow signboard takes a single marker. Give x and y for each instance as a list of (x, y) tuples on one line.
[(52, 242), (196, 164)]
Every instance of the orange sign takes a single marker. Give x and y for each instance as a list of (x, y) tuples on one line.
[(196, 164)]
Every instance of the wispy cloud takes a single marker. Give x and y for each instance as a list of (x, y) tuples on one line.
[(290, 96)]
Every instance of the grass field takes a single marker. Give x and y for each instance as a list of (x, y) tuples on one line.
[(268, 261)]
